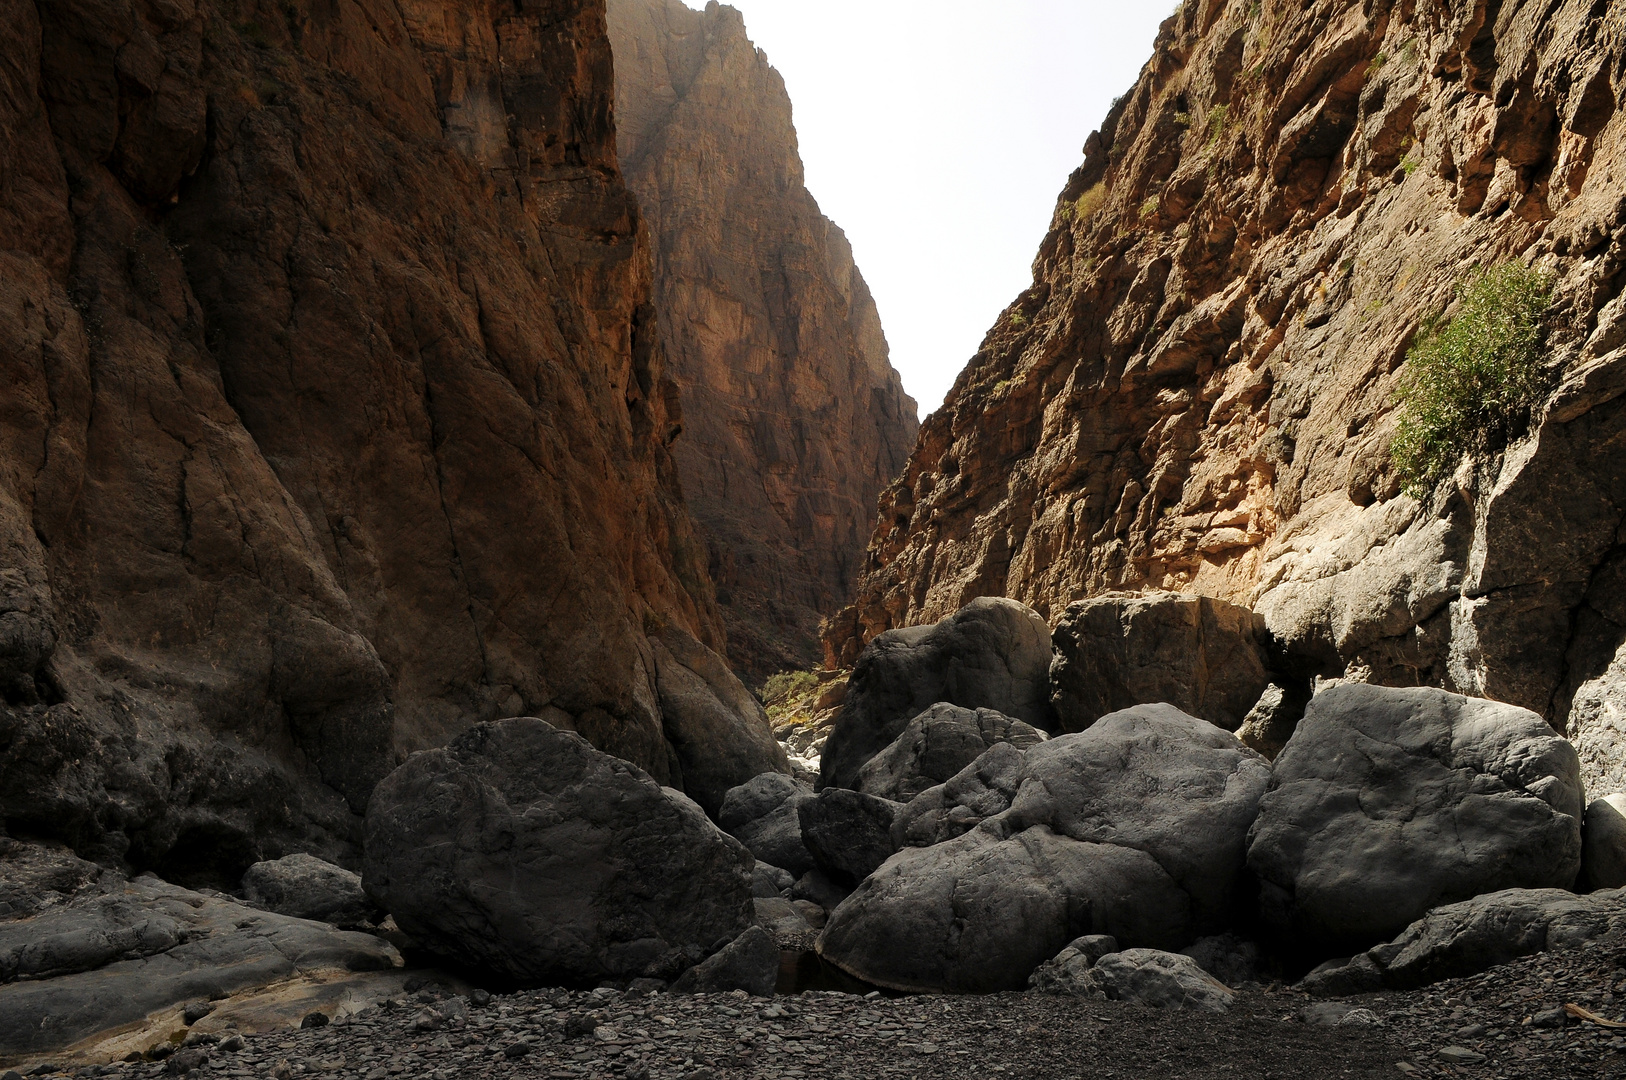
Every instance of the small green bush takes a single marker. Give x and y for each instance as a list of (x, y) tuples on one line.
[(781, 688), (1467, 384)]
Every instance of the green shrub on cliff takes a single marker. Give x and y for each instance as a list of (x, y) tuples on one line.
[(1468, 383)]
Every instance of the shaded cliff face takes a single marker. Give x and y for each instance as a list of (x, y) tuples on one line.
[(793, 418), (1197, 393), (335, 417)]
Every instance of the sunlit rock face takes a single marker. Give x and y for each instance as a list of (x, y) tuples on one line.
[(793, 418), (334, 417), (1197, 394)]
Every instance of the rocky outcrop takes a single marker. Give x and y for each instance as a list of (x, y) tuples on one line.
[(521, 850), (1390, 802), (336, 416), (793, 417), (1198, 391)]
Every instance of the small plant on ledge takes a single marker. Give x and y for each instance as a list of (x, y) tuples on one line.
[(1469, 384)]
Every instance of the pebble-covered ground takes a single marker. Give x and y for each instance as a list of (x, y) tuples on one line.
[(1509, 1022)]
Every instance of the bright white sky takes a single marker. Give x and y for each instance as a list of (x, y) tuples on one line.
[(938, 134)]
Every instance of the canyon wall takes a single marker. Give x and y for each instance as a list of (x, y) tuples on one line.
[(335, 416), (1198, 391), (793, 418)]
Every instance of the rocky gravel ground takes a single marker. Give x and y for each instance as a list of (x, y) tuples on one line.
[(1507, 1023)]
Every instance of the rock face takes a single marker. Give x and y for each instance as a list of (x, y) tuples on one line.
[(336, 415), (522, 850), (991, 654), (308, 888), (1198, 391), (1134, 828), (793, 417), (936, 745), (1390, 802), (1203, 656), (105, 951)]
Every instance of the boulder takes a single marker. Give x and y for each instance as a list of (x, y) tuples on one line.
[(1162, 980), (1389, 802), (1270, 723), (1227, 957), (1068, 972), (1603, 843), (981, 790), (849, 833), (308, 888), (1475, 935), (784, 920), (750, 962), (98, 956), (936, 745), (767, 881), (521, 850), (1204, 656), (718, 731), (816, 888), (1134, 828), (993, 653), (764, 815)]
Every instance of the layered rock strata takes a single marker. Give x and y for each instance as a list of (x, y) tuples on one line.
[(335, 415), (794, 420), (1198, 391)]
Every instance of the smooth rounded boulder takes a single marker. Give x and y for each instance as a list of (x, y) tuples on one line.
[(521, 850), (306, 887), (936, 745), (1389, 802), (1135, 828), (764, 814), (993, 653)]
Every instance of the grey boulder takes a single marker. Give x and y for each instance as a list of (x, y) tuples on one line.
[(1388, 802), (768, 881), (750, 962), (1204, 656), (936, 745), (764, 814), (306, 887), (520, 849), (1603, 843), (849, 833), (1068, 972), (1465, 938), (718, 731), (1162, 980), (1134, 828), (1270, 723), (993, 653)]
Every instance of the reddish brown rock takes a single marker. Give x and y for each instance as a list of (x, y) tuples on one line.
[(1197, 394), (794, 419), (335, 419)]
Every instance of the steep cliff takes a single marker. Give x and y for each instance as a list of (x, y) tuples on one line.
[(1198, 392), (334, 416), (793, 419)]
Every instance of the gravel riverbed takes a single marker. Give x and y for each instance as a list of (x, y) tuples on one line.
[(1507, 1023)]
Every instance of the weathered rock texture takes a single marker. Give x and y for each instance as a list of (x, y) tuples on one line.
[(334, 418), (1197, 392), (794, 420)]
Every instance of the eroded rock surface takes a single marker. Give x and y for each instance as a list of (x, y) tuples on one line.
[(1387, 803), (793, 417), (936, 745), (520, 849)]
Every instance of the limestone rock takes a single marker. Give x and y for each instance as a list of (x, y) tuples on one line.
[(336, 415), (750, 962), (1198, 391), (308, 888), (793, 417), (764, 814), (936, 745), (1134, 828), (1603, 843), (1160, 979), (521, 850), (991, 654), (1390, 802), (719, 733), (1205, 657), (848, 833)]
